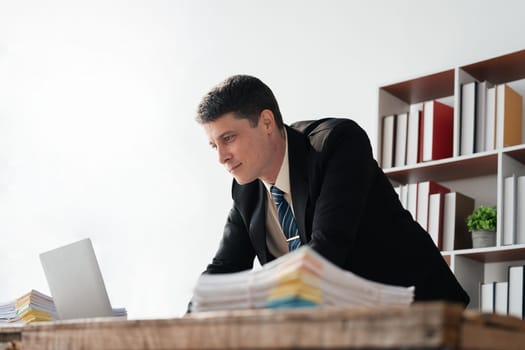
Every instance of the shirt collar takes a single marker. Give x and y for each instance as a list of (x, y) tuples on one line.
[(283, 177)]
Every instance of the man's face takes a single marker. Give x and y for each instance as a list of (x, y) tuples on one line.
[(243, 149)]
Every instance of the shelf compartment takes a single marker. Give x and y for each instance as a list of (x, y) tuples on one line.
[(516, 152), (492, 254), (426, 88), (462, 167), (500, 69)]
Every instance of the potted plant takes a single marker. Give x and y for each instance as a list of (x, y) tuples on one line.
[(482, 224)]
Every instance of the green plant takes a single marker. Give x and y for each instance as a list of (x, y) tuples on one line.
[(483, 218)]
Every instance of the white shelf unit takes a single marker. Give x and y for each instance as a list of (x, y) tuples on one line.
[(479, 175)]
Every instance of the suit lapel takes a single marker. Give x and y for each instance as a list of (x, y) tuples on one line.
[(252, 205), (257, 227), (298, 164)]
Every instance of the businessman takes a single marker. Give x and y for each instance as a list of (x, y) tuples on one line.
[(313, 183)]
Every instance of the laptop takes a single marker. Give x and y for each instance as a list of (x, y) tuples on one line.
[(75, 281)]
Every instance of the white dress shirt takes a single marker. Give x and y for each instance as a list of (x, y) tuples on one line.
[(275, 238)]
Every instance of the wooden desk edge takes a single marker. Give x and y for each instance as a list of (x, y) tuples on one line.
[(434, 324)]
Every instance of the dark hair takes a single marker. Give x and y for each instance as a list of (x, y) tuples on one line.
[(244, 95)]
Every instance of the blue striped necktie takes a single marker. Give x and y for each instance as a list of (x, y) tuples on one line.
[(286, 218)]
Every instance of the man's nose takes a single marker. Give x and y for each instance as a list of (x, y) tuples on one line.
[(224, 155)]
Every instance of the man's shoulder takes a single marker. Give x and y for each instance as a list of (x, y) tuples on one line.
[(318, 131), (312, 127)]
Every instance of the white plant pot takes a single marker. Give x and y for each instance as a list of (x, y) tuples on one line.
[(483, 238)]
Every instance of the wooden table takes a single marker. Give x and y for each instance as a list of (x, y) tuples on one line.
[(421, 326), (9, 335)]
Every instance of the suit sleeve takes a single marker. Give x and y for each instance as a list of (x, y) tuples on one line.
[(348, 171), (235, 252)]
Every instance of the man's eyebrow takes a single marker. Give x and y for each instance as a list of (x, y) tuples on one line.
[(220, 137), (224, 134)]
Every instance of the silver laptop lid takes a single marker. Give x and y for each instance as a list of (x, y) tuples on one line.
[(75, 281)]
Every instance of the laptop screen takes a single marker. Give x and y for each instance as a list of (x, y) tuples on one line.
[(75, 281)]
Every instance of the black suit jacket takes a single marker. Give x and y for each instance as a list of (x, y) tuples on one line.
[(346, 209)]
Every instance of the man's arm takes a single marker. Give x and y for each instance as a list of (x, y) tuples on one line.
[(348, 172), (235, 252)]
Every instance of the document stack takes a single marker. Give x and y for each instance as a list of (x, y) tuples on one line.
[(37, 307), (302, 278), (30, 307), (120, 312)]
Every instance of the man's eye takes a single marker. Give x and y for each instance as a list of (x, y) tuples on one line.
[(228, 138), (213, 146)]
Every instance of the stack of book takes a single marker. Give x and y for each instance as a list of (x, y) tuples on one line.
[(491, 117), (513, 222), (505, 297), (30, 307), (440, 211), (302, 278), (423, 133)]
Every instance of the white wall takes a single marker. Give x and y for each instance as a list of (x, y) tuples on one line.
[(97, 101)]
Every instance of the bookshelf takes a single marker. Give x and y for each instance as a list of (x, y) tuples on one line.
[(479, 175)]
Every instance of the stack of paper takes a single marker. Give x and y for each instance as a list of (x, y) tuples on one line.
[(301, 278), (30, 307), (119, 312), (35, 307)]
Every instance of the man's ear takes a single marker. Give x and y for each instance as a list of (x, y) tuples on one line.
[(268, 120)]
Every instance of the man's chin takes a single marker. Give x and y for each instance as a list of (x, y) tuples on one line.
[(243, 181)]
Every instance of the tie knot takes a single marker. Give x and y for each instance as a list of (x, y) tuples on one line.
[(277, 193)]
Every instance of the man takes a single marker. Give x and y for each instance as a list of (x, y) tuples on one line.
[(337, 200)]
